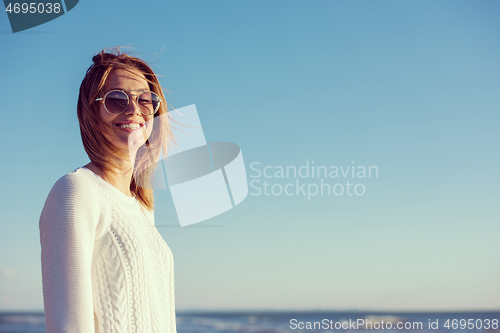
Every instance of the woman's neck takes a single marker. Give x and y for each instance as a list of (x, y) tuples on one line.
[(120, 176)]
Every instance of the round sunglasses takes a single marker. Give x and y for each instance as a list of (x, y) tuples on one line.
[(117, 101)]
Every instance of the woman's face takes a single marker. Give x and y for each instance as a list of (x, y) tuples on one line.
[(130, 129)]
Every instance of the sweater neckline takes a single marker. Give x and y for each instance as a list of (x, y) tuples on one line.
[(108, 187)]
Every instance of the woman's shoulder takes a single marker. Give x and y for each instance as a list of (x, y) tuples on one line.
[(75, 191), (75, 184), (72, 198), (85, 187)]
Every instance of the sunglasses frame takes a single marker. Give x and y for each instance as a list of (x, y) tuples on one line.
[(103, 99)]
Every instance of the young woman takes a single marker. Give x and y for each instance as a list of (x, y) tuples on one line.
[(105, 267)]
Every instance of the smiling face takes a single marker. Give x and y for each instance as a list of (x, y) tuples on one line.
[(130, 129)]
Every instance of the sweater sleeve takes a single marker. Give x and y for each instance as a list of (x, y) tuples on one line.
[(67, 233)]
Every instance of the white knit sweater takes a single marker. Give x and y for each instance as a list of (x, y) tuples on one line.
[(105, 267)]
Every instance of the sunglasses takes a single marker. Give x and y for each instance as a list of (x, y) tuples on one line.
[(117, 101)]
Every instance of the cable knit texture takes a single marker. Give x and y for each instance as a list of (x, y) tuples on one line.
[(105, 267)]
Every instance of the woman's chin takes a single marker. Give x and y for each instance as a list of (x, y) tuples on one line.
[(129, 146), (132, 141)]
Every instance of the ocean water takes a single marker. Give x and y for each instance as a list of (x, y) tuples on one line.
[(280, 322)]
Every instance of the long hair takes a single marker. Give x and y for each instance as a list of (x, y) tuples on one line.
[(98, 148)]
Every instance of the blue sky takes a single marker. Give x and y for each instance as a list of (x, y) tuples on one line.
[(410, 87)]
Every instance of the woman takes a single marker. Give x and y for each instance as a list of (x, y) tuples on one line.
[(105, 267)]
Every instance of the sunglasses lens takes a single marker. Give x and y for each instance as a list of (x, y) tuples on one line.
[(116, 101), (149, 102)]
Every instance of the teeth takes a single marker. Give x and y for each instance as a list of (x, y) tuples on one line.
[(132, 126)]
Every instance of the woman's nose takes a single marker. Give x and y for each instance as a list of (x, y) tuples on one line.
[(133, 105)]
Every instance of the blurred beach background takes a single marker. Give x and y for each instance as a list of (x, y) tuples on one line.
[(281, 322), (411, 87)]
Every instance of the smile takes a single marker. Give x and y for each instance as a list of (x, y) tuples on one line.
[(129, 126)]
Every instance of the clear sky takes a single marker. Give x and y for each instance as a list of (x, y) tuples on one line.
[(411, 87)]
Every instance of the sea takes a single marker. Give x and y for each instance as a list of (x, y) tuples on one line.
[(281, 322)]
